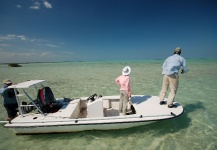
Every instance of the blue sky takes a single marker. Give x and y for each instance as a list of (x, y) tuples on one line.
[(97, 30)]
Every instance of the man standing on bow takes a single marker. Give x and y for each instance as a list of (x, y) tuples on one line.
[(171, 68)]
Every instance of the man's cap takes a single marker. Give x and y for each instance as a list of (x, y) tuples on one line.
[(177, 50), (7, 81)]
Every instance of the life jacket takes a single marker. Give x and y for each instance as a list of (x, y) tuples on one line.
[(9, 96)]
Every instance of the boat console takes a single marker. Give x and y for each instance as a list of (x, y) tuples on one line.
[(95, 108)]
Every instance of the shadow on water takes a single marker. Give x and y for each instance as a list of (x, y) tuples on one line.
[(157, 128)]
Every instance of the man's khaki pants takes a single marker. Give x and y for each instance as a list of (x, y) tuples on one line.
[(124, 98), (171, 81)]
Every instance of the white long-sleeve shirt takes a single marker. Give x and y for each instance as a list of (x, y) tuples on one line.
[(173, 64)]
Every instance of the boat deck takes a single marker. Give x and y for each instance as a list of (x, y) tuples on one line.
[(147, 106)]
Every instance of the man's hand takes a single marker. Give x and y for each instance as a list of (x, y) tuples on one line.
[(182, 71)]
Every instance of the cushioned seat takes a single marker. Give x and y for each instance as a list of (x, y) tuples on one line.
[(47, 101)]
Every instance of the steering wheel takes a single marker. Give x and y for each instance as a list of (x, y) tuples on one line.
[(92, 97)]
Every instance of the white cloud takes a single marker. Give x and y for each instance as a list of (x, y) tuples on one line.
[(22, 37), (36, 5), (47, 5), (19, 37), (7, 37), (13, 37), (18, 6), (32, 40), (51, 45), (19, 48)]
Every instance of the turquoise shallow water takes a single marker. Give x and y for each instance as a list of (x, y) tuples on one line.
[(195, 129)]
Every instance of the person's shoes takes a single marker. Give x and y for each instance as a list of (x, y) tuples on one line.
[(172, 106), (163, 102)]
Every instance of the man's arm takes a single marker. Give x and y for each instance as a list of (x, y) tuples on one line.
[(184, 67)]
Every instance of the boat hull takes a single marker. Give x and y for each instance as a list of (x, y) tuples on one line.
[(75, 128)]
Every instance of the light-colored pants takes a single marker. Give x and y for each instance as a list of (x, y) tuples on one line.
[(171, 81), (123, 102)]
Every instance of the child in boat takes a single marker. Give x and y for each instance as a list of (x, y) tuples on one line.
[(124, 82), (9, 99)]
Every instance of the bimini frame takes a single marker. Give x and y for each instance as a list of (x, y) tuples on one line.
[(23, 86)]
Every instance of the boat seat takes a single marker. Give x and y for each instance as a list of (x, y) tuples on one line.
[(47, 101), (26, 108), (70, 110)]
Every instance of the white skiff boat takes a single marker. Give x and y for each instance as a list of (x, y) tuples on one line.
[(46, 115)]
